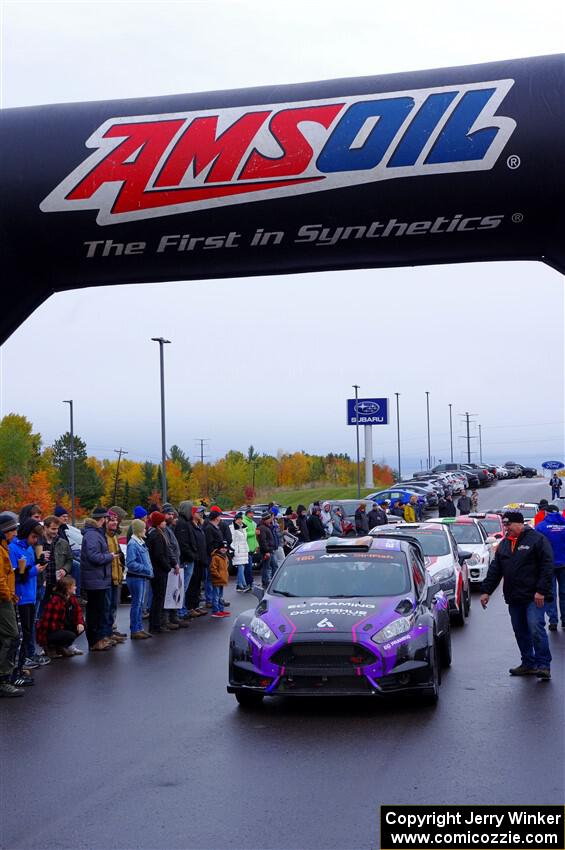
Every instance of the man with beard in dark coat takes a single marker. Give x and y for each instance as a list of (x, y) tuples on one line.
[(201, 561), (376, 516), (316, 528)]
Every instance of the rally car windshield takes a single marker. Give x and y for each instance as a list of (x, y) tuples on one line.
[(433, 542), (343, 574), (492, 525), (468, 533)]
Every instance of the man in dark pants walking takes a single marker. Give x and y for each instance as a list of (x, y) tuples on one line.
[(96, 577), (524, 560)]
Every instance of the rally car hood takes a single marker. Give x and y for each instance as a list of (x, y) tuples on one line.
[(317, 615), (436, 563)]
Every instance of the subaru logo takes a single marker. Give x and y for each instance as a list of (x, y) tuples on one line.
[(367, 408)]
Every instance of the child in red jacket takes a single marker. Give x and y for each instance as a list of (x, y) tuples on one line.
[(62, 621)]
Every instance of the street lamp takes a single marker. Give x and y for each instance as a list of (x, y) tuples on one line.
[(451, 432), (428, 417), (356, 388), (162, 342), (72, 483), (398, 434)]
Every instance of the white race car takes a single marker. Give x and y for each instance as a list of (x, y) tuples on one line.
[(472, 537)]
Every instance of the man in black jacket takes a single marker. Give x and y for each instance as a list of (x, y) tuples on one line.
[(376, 516), (316, 528), (524, 560), (266, 546), (185, 537), (200, 563)]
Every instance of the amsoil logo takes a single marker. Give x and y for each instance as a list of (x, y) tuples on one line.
[(157, 165)]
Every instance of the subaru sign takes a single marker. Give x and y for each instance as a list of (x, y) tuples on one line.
[(367, 411), (553, 464)]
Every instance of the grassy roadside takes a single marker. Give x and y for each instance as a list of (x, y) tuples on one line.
[(312, 494)]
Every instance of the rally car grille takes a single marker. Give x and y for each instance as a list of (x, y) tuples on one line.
[(332, 658)]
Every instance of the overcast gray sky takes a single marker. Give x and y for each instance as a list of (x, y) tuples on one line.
[(270, 361)]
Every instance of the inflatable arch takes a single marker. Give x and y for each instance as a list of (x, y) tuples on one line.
[(452, 165)]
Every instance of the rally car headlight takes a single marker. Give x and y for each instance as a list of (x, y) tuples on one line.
[(473, 560), (261, 630), (444, 574), (394, 629)]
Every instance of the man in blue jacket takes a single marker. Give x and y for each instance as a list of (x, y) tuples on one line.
[(96, 575), (553, 528), (524, 561), (22, 557)]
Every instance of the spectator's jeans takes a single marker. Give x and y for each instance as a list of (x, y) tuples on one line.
[(528, 622), (241, 582), (95, 616), (217, 599), (27, 646), (266, 570), (9, 635), (148, 599), (554, 493), (277, 557), (249, 571), (193, 594), (208, 587), (551, 607), (188, 570), (136, 587), (111, 608)]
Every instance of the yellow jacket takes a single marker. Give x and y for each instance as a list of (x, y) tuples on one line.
[(7, 575), (409, 513)]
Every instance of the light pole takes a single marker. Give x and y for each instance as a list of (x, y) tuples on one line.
[(356, 388), (162, 342), (398, 434), (70, 403), (480, 445), (428, 418), (451, 432)]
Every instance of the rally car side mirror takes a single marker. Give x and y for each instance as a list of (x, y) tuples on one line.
[(258, 592)]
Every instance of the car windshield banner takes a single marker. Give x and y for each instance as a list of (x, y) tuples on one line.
[(452, 165)]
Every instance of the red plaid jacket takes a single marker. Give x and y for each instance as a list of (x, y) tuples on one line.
[(54, 617)]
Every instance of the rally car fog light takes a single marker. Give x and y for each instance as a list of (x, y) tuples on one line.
[(265, 682), (261, 630), (394, 629)]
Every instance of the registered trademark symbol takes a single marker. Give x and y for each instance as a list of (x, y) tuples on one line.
[(513, 161), (517, 218)]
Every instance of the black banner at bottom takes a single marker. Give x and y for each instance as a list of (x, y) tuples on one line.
[(472, 827)]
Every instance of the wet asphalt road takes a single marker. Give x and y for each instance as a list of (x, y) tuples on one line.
[(142, 747)]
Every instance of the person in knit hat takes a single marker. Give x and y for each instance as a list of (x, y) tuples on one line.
[(161, 563), (139, 573), (113, 593), (185, 536), (8, 623)]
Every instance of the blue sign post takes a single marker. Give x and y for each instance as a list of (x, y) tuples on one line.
[(553, 464), (370, 411)]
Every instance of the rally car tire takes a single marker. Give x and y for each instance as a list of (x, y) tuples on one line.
[(430, 695), (467, 600), (459, 616), (445, 650), (249, 699)]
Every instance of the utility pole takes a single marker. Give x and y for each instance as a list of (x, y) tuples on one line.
[(480, 445), (203, 440), (72, 481), (428, 418), (451, 432), (356, 388), (398, 434), (468, 437), (119, 452), (162, 342)]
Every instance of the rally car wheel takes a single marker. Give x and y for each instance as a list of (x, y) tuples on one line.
[(445, 649), (467, 601), (430, 695), (249, 699), (459, 616)]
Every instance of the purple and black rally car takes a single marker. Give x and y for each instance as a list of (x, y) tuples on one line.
[(357, 616)]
